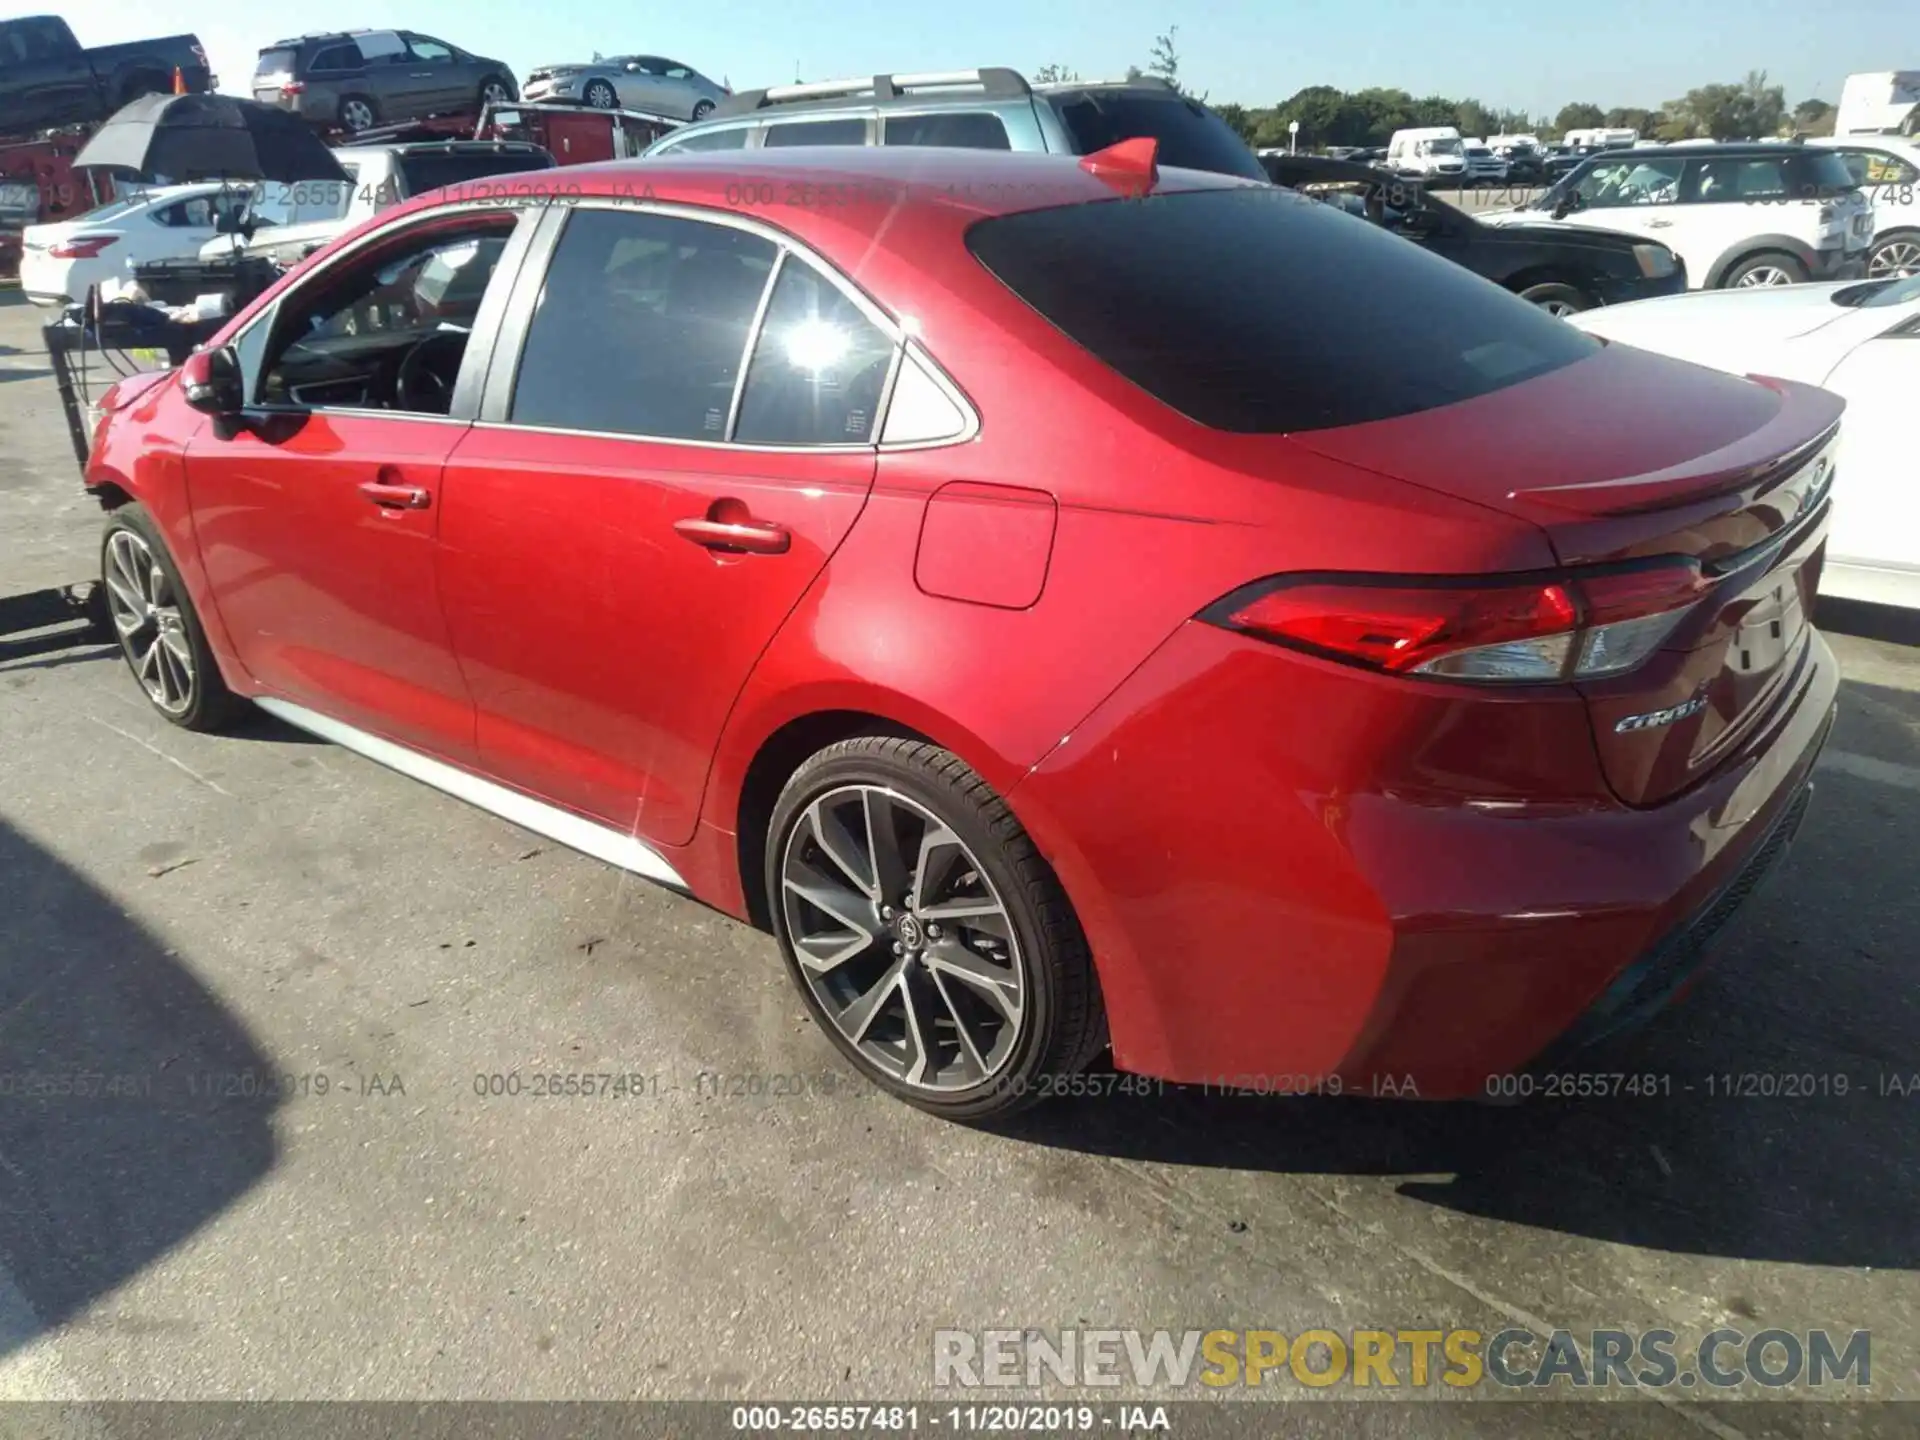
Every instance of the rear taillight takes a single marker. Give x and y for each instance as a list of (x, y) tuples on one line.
[(294, 87), (1571, 626), (80, 247)]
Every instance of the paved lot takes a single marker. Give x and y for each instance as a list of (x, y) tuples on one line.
[(175, 907)]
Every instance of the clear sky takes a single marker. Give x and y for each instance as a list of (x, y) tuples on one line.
[(1537, 57)]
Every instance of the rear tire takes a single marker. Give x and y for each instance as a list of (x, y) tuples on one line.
[(157, 628), (357, 113), (702, 109), (1557, 299), (1769, 267), (946, 963)]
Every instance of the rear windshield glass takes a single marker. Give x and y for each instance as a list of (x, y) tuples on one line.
[(1260, 311), (430, 171), (275, 62), (1189, 135)]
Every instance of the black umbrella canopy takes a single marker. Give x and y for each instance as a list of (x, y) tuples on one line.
[(209, 137)]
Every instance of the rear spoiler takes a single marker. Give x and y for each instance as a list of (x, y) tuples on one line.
[(1754, 461)]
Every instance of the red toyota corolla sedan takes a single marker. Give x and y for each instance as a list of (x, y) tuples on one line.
[(1067, 603)]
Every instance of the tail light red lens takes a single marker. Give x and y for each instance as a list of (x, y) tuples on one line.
[(81, 247), (294, 87), (1571, 626)]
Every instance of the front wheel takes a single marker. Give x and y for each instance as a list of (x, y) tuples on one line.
[(1896, 255), (599, 94), (928, 936), (494, 91), (159, 632), (702, 109), (1770, 268), (1557, 299)]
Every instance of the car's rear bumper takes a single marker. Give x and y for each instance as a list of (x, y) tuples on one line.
[(1267, 914)]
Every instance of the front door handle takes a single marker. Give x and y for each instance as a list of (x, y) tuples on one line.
[(396, 497), (750, 537)]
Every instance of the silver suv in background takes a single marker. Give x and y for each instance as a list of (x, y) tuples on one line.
[(987, 109)]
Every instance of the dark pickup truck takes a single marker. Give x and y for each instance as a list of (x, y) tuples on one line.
[(47, 78)]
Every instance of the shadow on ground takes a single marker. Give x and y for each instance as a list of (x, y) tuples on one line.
[(122, 1131), (1805, 1001)]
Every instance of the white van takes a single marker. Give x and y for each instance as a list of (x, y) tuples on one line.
[(1601, 138), (1514, 146), (1435, 150), (1885, 102)]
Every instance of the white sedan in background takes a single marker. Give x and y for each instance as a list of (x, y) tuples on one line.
[(59, 261), (1859, 339)]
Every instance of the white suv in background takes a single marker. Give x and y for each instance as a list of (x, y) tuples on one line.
[(1888, 170), (1738, 214)]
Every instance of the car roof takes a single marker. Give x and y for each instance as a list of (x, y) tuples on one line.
[(864, 195), (1713, 149), (959, 89)]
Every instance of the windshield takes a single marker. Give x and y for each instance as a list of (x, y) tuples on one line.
[(1181, 295), (1877, 293), (1190, 135), (432, 169), (1440, 147)]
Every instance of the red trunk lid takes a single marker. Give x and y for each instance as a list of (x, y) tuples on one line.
[(1627, 456)]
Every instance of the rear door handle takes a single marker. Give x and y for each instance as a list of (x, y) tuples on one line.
[(396, 497), (750, 537)]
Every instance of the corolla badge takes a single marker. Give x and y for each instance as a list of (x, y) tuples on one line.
[(1652, 719)]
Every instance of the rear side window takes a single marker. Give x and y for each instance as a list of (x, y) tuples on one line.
[(1819, 174), (817, 132), (1189, 135), (818, 367), (641, 326), (957, 129), (336, 58), (1260, 311), (430, 170), (729, 139)]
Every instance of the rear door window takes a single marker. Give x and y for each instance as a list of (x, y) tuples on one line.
[(956, 129), (641, 326), (816, 132), (1254, 309), (818, 368), (1189, 135)]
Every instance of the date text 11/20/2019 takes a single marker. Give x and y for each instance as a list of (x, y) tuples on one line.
[(1043, 1419)]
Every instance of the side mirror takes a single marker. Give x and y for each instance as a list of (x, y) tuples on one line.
[(210, 380), (633, 67)]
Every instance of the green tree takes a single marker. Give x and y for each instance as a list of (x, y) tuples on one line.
[(1632, 117), (1055, 74), (1238, 118), (1813, 117), (1474, 119), (1579, 116), (1165, 60)]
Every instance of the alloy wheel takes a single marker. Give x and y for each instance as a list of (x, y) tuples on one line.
[(147, 618), (494, 93), (357, 115), (601, 97), (1763, 275), (905, 943), (1896, 257), (1560, 308)]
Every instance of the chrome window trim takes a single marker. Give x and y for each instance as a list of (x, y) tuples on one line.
[(539, 260), (753, 341)]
